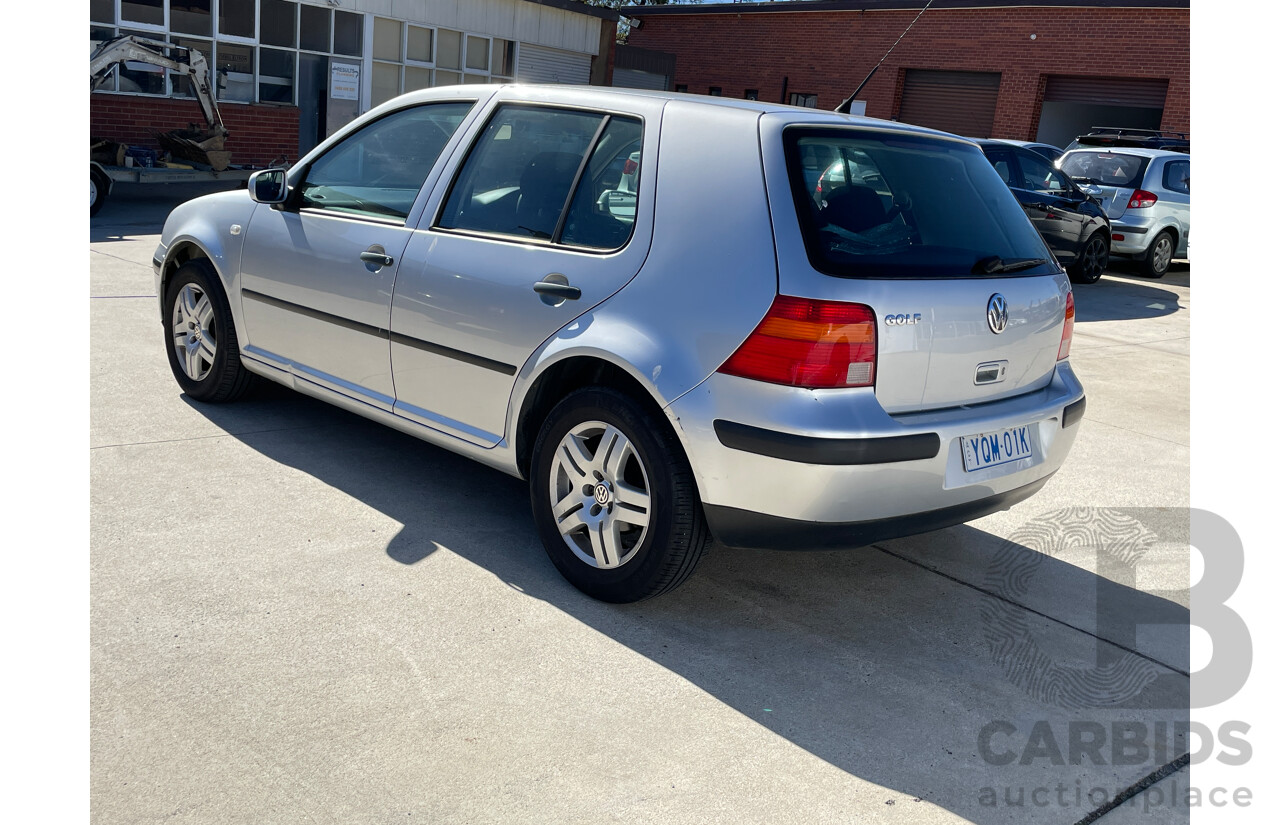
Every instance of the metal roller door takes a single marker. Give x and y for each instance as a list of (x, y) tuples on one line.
[(1139, 92), (1074, 104), (963, 103), (538, 64), (636, 79)]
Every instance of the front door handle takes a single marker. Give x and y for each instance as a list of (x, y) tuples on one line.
[(377, 258)]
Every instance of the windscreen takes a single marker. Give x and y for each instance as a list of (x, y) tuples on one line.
[(1106, 168), (886, 205)]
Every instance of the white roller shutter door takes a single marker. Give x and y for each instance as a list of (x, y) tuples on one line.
[(538, 64)]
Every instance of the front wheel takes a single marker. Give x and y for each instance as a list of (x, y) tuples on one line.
[(1159, 255), (614, 498), (1092, 260), (200, 336), (99, 186)]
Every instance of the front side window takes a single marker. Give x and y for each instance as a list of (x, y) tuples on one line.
[(1038, 175), (378, 171), (908, 206), (518, 178)]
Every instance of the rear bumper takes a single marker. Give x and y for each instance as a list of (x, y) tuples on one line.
[(779, 466), (1134, 236)]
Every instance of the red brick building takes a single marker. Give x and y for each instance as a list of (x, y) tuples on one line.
[(1022, 69)]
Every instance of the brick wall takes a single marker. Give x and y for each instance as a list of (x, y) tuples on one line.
[(259, 133), (829, 53)]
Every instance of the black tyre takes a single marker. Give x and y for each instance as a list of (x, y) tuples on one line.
[(1092, 260), (99, 186), (614, 499), (1159, 255), (200, 336)]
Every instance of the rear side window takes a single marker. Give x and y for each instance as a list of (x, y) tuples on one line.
[(908, 206), (377, 171), (1038, 175), (517, 180), (1177, 176), (1106, 168)]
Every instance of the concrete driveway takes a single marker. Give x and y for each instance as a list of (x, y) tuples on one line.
[(301, 616)]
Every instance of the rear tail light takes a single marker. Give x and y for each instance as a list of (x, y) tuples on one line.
[(808, 343), (1068, 328), (1141, 199)]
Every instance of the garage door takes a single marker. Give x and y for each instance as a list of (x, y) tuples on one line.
[(963, 103), (636, 79), (538, 64), (1072, 105)]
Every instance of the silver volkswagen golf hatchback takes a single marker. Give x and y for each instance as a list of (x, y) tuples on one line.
[(637, 302)]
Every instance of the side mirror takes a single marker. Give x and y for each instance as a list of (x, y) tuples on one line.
[(269, 186)]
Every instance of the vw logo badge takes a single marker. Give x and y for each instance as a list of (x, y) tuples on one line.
[(602, 494), (997, 313)]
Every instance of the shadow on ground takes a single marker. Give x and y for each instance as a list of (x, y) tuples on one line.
[(865, 658), (1129, 296)]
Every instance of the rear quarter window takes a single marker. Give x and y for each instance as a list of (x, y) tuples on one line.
[(906, 206)]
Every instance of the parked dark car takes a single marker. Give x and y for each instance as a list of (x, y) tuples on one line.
[(1073, 224), (1046, 149), (1116, 136)]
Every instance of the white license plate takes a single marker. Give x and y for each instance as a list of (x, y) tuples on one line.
[(993, 449)]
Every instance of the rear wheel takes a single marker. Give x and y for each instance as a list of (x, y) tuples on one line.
[(614, 499), (1156, 262), (200, 336), (1092, 260)]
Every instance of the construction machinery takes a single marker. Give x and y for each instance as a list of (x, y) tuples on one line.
[(200, 154)]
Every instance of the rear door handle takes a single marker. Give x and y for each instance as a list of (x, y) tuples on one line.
[(557, 290), (377, 258)]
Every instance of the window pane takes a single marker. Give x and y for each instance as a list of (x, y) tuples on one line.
[(191, 16), (102, 11), (235, 72), (275, 76), (517, 179), (386, 82), (1177, 176), (314, 30), (904, 206), (138, 77), (604, 207), (180, 85), (235, 17), (448, 49), (447, 78), (474, 78), (143, 11), (419, 46), (379, 170), (477, 53), (348, 33), (278, 23), (416, 78), (504, 57), (386, 39)]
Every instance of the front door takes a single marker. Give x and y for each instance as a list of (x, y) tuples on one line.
[(317, 275)]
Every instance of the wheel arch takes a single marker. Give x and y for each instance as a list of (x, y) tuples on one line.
[(563, 376)]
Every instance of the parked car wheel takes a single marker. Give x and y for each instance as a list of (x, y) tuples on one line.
[(1156, 262), (98, 188), (614, 499), (1092, 261), (203, 352)]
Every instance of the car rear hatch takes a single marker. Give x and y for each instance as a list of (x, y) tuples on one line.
[(968, 302), (1110, 176)]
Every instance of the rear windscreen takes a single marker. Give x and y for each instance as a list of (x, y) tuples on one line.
[(1106, 168), (881, 205)]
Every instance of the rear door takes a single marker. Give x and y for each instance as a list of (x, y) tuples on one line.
[(968, 299), (1053, 204), (549, 213)]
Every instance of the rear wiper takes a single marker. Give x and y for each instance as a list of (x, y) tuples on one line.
[(1094, 181), (994, 265)]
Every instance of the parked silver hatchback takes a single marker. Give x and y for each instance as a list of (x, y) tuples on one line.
[(635, 301), (1147, 195)]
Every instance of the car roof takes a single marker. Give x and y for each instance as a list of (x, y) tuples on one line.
[(590, 95), (1129, 150)]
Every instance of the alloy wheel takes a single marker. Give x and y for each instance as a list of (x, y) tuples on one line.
[(194, 336), (600, 495), (1162, 254)]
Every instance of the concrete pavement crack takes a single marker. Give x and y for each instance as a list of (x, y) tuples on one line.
[(208, 437), (1029, 609), (1137, 788)]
